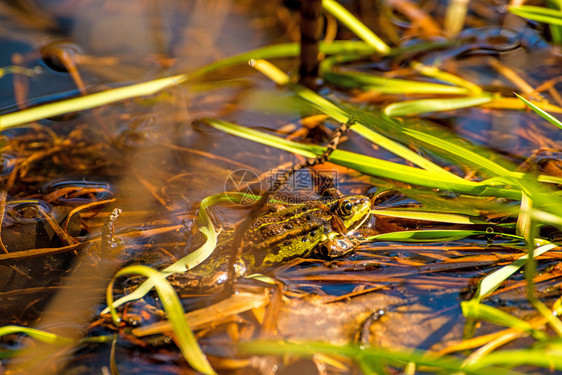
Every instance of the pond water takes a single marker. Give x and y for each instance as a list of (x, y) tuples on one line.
[(156, 157)]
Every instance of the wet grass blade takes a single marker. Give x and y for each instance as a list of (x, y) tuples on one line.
[(385, 85), (43, 336), (545, 115), (446, 145), (14, 119), (540, 14), (429, 216), (174, 311), (194, 258), (475, 310), (548, 357), (460, 152), (434, 72), (338, 114), (417, 107), (429, 235), (207, 228), (370, 357), (285, 50), (350, 21), (370, 165), (492, 281)]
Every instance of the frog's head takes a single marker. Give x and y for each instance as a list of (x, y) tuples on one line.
[(352, 210)]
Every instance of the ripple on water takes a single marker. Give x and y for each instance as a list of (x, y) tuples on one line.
[(77, 192), (27, 211), (7, 164)]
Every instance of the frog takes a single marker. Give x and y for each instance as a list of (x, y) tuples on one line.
[(283, 232)]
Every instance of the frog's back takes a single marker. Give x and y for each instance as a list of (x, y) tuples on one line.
[(277, 237)]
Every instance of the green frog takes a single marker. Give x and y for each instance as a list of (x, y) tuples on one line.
[(282, 233)]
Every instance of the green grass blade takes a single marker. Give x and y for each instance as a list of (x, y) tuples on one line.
[(445, 145), (182, 265), (434, 72), (417, 107), (385, 85), (545, 115), (492, 281), (429, 216), (400, 150), (463, 153), (349, 20), (548, 358), (191, 260), (338, 114), (285, 50), (194, 258), (174, 311), (25, 116), (473, 309), (540, 14), (369, 356), (370, 165), (436, 235), (46, 337), (555, 31), (264, 138)]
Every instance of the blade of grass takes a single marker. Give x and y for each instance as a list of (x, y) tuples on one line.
[(369, 165), (528, 226), (540, 14), (542, 357), (191, 260), (434, 72), (470, 157), (492, 281), (46, 337), (362, 31), (555, 31), (196, 257), (385, 85), (11, 120), (285, 50), (501, 102), (174, 311), (445, 145), (417, 107), (475, 310), (341, 116), (436, 235), (396, 357), (429, 216), (545, 115)]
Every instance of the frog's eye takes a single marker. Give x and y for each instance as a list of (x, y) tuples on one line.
[(346, 208)]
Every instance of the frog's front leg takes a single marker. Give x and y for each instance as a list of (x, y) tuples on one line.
[(336, 247)]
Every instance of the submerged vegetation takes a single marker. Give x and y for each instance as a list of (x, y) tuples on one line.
[(457, 271)]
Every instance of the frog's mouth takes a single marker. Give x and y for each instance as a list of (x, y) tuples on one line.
[(359, 223)]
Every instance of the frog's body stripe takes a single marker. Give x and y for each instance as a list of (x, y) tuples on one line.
[(299, 215)]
